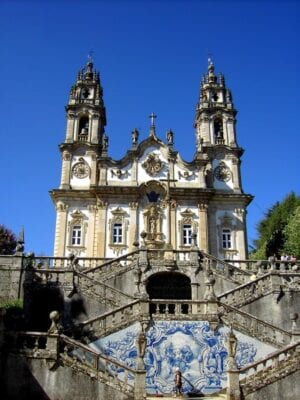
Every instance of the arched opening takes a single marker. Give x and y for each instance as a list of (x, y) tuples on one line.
[(169, 285), (218, 130), (83, 128)]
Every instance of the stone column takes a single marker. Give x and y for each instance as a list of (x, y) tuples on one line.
[(133, 225), (236, 175), (94, 122), (101, 228), (65, 170), (93, 177), (60, 229), (173, 222), (233, 384), (70, 128), (140, 374), (90, 240), (203, 226)]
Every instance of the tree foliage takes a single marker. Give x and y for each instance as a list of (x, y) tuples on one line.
[(277, 232), (8, 241)]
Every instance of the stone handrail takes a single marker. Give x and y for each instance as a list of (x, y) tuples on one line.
[(248, 292), (46, 262), (122, 261), (255, 327), (265, 266), (116, 319), (226, 269), (144, 310), (112, 372), (272, 360), (33, 344), (106, 293)]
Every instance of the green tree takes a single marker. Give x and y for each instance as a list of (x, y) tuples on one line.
[(271, 230), (292, 234), (8, 241)]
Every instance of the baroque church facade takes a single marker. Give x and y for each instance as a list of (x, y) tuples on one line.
[(150, 273), (104, 206)]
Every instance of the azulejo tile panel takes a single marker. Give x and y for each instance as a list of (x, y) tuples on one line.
[(199, 352)]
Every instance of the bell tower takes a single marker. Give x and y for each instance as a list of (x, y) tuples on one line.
[(215, 123), (86, 119)]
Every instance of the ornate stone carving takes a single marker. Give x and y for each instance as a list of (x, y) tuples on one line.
[(119, 173), (153, 164), (222, 172), (81, 169), (186, 174)]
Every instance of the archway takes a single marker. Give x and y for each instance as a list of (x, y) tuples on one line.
[(169, 285)]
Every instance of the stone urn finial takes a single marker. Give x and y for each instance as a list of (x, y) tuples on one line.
[(54, 316)]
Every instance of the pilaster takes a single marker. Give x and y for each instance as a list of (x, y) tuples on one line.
[(101, 228), (203, 226), (133, 225), (60, 229), (66, 169)]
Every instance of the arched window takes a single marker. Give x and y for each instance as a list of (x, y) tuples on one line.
[(218, 130)]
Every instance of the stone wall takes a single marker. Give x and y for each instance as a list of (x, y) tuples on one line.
[(38, 379), (11, 277)]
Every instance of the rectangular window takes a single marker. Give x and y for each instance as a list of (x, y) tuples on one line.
[(187, 234), (226, 239), (76, 235), (117, 233)]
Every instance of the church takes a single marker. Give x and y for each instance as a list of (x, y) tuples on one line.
[(150, 277), (104, 205)]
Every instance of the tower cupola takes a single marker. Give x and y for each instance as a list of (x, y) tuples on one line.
[(215, 113), (86, 115)]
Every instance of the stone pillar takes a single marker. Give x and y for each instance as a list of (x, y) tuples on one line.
[(133, 225), (236, 175), (70, 128), (65, 170), (173, 224), (203, 226), (60, 229), (91, 237), (101, 228), (140, 374), (134, 170), (93, 177), (233, 384), (94, 120)]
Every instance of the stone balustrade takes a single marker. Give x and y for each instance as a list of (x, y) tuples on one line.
[(33, 344), (248, 292), (83, 358), (106, 294), (264, 266), (253, 326)]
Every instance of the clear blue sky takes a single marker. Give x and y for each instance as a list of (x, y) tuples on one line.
[(151, 56)]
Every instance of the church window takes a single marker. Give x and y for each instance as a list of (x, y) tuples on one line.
[(77, 229), (226, 238), (187, 225), (76, 235), (117, 233), (118, 230), (187, 234)]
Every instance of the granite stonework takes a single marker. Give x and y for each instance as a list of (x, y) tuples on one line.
[(193, 347)]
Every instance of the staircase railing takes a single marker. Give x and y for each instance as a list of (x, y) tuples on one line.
[(226, 269), (255, 327), (112, 372), (271, 368), (102, 291)]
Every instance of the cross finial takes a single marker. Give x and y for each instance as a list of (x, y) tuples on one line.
[(152, 117), (210, 59), (90, 55)]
